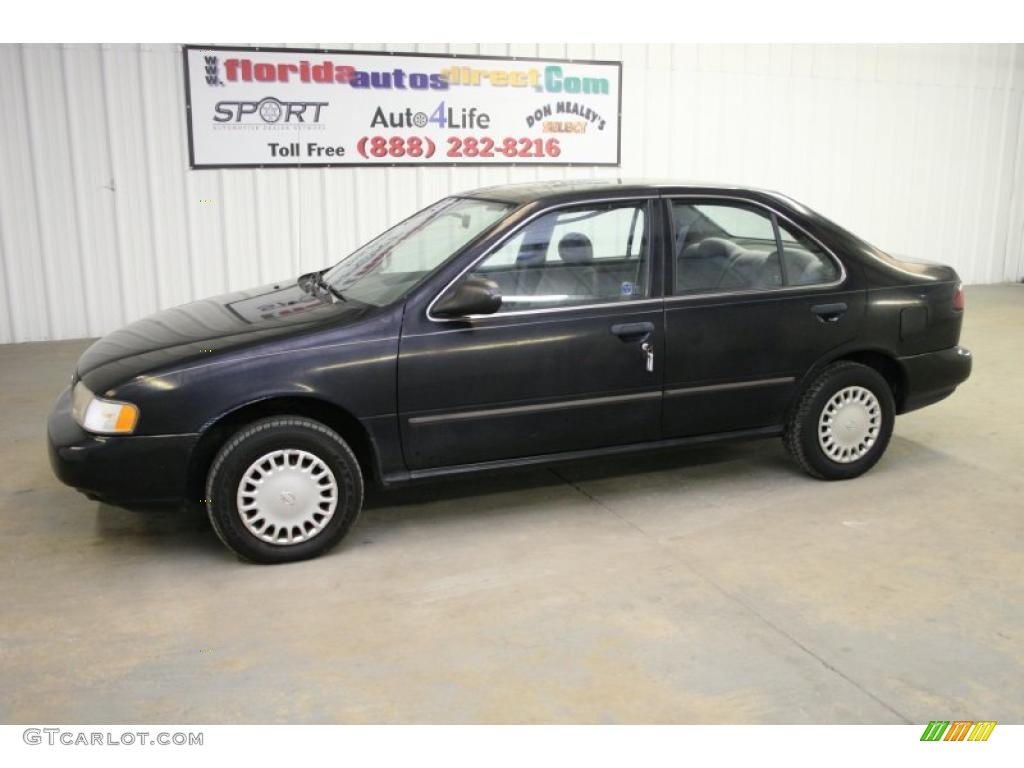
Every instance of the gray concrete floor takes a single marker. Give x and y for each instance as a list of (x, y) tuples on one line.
[(715, 585)]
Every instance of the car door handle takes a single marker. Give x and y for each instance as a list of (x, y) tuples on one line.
[(829, 313), (633, 331)]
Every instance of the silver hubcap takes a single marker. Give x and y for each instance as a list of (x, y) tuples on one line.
[(849, 424), (286, 497)]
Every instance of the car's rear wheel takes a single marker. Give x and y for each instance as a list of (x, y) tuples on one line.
[(283, 488), (842, 423)]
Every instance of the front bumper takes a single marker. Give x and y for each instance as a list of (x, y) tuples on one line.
[(932, 376), (129, 469)]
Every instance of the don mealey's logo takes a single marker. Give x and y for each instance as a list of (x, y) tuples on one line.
[(269, 110), (559, 108)]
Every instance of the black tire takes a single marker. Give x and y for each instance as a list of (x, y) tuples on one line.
[(259, 439), (801, 436)]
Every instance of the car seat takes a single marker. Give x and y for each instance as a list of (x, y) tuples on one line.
[(804, 268), (717, 263), (576, 250)]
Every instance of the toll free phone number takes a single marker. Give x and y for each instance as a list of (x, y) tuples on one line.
[(379, 147)]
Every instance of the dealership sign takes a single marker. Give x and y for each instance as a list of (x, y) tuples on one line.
[(256, 107)]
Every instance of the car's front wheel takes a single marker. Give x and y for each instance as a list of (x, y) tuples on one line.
[(842, 423), (283, 488)]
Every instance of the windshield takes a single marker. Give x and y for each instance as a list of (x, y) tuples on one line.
[(391, 264)]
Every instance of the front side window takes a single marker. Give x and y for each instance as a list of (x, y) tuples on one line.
[(393, 263), (586, 255), (732, 247)]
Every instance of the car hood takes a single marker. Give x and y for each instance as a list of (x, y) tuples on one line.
[(204, 329)]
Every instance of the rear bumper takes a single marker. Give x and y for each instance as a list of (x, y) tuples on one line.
[(933, 376), (123, 470)]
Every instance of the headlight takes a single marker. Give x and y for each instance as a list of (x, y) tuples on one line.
[(105, 417)]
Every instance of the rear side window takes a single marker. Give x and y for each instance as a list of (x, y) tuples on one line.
[(805, 261), (733, 247)]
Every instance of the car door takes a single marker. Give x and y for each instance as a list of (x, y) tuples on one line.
[(755, 302), (572, 359)]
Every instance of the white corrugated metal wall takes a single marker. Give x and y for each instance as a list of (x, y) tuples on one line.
[(919, 149)]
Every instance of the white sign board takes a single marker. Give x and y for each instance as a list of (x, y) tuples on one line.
[(257, 107)]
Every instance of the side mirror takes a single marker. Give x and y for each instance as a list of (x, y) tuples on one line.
[(473, 296)]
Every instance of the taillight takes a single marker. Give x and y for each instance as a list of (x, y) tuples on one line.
[(958, 298)]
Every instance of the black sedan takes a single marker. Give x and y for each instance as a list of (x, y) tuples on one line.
[(510, 326)]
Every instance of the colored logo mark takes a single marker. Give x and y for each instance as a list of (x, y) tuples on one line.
[(958, 730)]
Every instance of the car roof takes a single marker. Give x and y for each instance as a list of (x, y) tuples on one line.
[(555, 192), (550, 191)]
